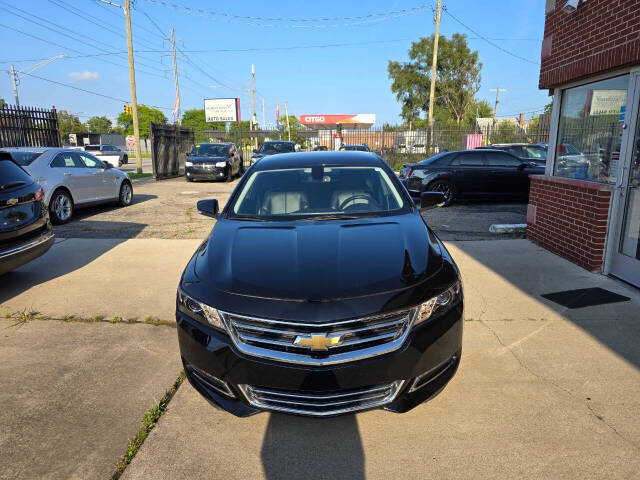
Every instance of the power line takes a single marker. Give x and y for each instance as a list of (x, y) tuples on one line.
[(283, 22), (446, 10)]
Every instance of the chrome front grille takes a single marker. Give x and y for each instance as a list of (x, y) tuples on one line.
[(319, 343), (323, 403)]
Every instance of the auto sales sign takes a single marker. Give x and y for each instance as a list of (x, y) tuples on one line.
[(222, 110)]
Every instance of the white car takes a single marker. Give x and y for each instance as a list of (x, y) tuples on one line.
[(72, 178)]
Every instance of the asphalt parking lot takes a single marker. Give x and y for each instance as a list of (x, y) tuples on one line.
[(88, 350), (167, 209)]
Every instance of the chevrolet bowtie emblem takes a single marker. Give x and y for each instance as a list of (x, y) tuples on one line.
[(12, 201), (320, 341)]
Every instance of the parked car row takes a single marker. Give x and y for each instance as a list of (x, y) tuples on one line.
[(41, 186), (469, 174)]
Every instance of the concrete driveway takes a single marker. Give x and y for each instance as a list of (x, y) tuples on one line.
[(542, 391)]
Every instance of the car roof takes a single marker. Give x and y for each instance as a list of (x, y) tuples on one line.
[(513, 145), (279, 141), (310, 159), (24, 149), (214, 143)]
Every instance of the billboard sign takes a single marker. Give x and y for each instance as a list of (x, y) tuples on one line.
[(222, 110), (359, 120)]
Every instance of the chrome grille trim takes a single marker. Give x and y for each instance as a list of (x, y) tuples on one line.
[(362, 337), (321, 404)]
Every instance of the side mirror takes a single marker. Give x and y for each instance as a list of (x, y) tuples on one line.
[(255, 150), (208, 207), (106, 165), (430, 200)]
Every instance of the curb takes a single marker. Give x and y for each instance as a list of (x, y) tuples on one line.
[(508, 228)]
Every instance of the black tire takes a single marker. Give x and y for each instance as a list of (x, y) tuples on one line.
[(229, 175), (125, 160), (60, 207), (188, 179), (445, 187), (240, 170), (125, 198)]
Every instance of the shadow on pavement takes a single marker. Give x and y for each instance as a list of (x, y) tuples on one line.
[(536, 271), (299, 447), (62, 258)]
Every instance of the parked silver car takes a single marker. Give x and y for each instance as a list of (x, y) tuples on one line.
[(73, 178), (108, 153)]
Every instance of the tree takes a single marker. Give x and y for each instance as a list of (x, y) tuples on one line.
[(505, 132), (478, 109), (68, 123), (295, 126), (457, 79), (99, 125), (195, 118), (2, 103), (145, 115)]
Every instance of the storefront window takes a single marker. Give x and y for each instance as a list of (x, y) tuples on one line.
[(590, 130)]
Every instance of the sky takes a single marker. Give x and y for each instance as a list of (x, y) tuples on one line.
[(326, 57)]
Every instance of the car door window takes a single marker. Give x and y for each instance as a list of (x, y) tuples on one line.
[(468, 160), (536, 152), (495, 159), (66, 160), (90, 161)]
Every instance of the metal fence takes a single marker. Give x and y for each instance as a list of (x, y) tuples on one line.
[(28, 127), (170, 145)]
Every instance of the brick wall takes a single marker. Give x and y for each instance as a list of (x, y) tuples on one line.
[(569, 217), (602, 35)]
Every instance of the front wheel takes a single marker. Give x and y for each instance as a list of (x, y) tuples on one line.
[(445, 187), (240, 170), (60, 207), (125, 160), (126, 194), (230, 174)]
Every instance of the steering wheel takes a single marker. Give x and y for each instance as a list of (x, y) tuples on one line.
[(357, 196)]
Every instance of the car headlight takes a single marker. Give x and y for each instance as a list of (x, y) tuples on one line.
[(439, 304), (199, 311), (221, 164), (188, 164)]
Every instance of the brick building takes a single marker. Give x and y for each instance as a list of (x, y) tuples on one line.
[(587, 205)]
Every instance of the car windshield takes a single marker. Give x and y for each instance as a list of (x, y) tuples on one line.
[(24, 158), (209, 150), (270, 148), (316, 193)]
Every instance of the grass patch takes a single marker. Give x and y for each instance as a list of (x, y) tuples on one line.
[(136, 176), (116, 320), (149, 421), (24, 316), (98, 318), (188, 213)]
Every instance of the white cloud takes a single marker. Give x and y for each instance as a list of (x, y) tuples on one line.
[(85, 76)]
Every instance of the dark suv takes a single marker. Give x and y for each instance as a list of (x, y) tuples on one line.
[(272, 147), (25, 230), (320, 291)]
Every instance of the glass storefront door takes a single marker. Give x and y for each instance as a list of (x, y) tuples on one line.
[(625, 261)]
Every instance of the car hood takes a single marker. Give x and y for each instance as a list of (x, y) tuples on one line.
[(318, 261), (205, 159)]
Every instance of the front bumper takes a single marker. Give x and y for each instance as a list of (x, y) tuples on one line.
[(206, 173), (419, 369), (14, 256)]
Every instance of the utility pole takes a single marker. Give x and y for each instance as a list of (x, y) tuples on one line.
[(254, 118), (14, 78), (176, 105), (495, 108), (132, 83), (264, 119), (434, 65), (286, 112)]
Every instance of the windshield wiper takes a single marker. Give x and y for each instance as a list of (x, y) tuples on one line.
[(11, 184), (249, 218), (330, 217)]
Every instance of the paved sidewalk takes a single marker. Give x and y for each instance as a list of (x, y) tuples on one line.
[(108, 277), (73, 394), (542, 392)]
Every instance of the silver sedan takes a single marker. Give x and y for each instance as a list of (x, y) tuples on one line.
[(73, 178)]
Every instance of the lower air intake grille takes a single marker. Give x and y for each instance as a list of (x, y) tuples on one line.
[(321, 404)]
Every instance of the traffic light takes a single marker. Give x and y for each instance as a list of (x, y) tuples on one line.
[(127, 109)]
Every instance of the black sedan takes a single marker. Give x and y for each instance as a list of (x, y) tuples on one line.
[(213, 161), (320, 291), (25, 230), (471, 174)]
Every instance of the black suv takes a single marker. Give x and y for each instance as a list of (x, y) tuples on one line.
[(272, 147), (213, 161), (320, 291), (25, 230)]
